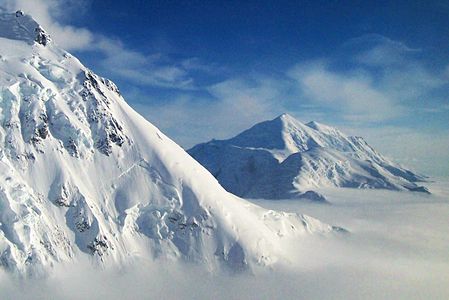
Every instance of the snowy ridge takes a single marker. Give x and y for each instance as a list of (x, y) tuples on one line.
[(284, 158), (83, 174)]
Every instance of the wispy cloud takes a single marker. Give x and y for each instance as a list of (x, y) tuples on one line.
[(372, 79), (231, 106), (354, 96), (152, 69), (195, 64), (144, 69), (378, 50), (400, 71)]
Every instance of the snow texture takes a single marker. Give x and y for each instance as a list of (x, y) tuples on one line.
[(83, 174), (284, 158)]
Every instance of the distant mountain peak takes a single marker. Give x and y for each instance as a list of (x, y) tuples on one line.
[(286, 120), (285, 158), (285, 135)]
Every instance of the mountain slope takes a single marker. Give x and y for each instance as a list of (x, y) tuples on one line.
[(284, 158), (83, 174)]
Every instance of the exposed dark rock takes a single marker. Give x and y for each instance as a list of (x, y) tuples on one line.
[(42, 37), (99, 246)]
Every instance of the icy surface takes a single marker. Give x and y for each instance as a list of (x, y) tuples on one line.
[(284, 158), (83, 175)]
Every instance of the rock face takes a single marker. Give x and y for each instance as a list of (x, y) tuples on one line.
[(284, 158), (82, 173)]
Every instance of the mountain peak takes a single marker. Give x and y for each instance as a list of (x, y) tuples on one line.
[(22, 27), (285, 135), (284, 158), (287, 120), (285, 116)]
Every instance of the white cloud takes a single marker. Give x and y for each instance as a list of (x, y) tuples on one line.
[(151, 69), (400, 72), (378, 50), (353, 95), (195, 63)]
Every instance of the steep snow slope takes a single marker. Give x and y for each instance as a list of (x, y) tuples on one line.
[(284, 158), (83, 174)]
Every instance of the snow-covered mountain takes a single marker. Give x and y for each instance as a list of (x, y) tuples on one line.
[(284, 158), (82, 173)]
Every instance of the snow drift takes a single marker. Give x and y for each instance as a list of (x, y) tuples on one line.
[(284, 158)]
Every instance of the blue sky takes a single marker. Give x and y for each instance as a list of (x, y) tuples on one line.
[(209, 69)]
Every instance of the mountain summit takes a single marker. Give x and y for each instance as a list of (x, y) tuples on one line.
[(21, 27), (83, 174), (284, 158)]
